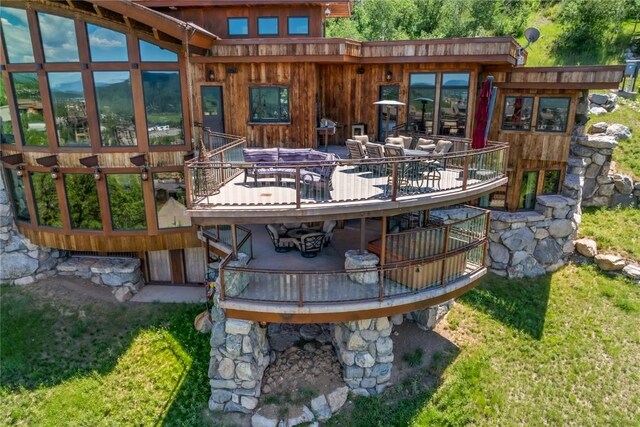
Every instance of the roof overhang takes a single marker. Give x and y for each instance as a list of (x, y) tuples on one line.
[(563, 77)]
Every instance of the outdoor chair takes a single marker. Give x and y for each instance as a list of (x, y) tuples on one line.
[(281, 243), (376, 151), (327, 229), (426, 144), (402, 168), (442, 147), (310, 244), (363, 139), (356, 149), (401, 141)]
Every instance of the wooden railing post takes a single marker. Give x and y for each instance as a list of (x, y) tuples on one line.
[(298, 187), (394, 181), (447, 229)]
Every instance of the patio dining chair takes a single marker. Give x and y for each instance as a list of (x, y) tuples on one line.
[(442, 147), (356, 150), (281, 243), (376, 151), (403, 171), (310, 244)]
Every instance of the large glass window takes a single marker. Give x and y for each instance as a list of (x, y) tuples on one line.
[(269, 104), (27, 93), (106, 44), (238, 26), (454, 96), (268, 26), (171, 201), (551, 182), (58, 38), (553, 114), (69, 108), (115, 108), (422, 95), (163, 104), (6, 125), (46, 199), (528, 190), (126, 202), (517, 113), (15, 184), (15, 32), (298, 25), (153, 53), (82, 199)]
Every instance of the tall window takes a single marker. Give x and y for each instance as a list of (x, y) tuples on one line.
[(27, 93), (82, 199), (46, 199), (170, 196), (15, 32), (69, 108), (528, 190), (115, 108), (268, 26), (269, 104), (454, 96), (15, 184), (553, 114), (298, 25), (422, 95), (238, 26), (153, 53), (58, 38), (106, 44), (126, 202), (163, 104), (551, 182), (6, 124), (517, 113)]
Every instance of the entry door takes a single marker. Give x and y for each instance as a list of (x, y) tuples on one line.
[(387, 114), (212, 111)]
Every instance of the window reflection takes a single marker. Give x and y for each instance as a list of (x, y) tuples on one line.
[(268, 26), (551, 182), (126, 202), (528, 189), (298, 25), (238, 26), (115, 108), (422, 95), (153, 53), (69, 108), (15, 32), (82, 199), (106, 44), (454, 95), (6, 125), (58, 38), (163, 104), (553, 114), (269, 104), (517, 113), (27, 93), (170, 197), (15, 184), (46, 199)]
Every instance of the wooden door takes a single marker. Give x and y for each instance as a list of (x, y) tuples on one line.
[(212, 108)]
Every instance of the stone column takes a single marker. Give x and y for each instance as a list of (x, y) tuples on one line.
[(428, 318), (239, 356), (365, 352)]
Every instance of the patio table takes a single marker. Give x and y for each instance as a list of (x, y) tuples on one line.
[(297, 233)]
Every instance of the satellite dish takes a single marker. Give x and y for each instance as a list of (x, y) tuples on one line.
[(532, 35)]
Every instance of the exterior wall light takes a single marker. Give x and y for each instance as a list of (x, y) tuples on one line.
[(20, 170), (55, 172), (211, 76), (327, 12), (97, 174), (388, 75), (144, 173)]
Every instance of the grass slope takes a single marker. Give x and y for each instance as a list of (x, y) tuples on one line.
[(615, 230), (555, 350)]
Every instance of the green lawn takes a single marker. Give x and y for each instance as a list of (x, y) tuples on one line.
[(100, 363), (556, 350), (615, 230)]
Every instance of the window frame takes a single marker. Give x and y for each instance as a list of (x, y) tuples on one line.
[(289, 33), (441, 88), (277, 33), (566, 122), (146, 114), (53, 111), (269, 121), (435, 96), (504, 113), (237, 18)]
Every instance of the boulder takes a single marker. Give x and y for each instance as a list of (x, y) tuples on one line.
[(610, 262), (202, 322), (547, 251), (598, 98), (623, 183), (561, 228), (321, 408), (337, 398), (516, 240), (624, 200), (596, 111), (600, 127), (237, 326), (586, 247), (618, 131), (632, 271), (499, 254), (123, 294), (601, 141), (15, 265)]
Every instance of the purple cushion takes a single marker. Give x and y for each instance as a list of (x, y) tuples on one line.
[(260, 155)]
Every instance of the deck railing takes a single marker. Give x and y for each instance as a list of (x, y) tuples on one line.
[(441, 255), (390, 178)]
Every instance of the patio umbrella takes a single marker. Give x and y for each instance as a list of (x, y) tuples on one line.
[(482, 116), (424, 108), (388, 103)]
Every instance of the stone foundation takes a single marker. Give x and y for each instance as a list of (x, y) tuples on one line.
[(365, 351), (429, 318)]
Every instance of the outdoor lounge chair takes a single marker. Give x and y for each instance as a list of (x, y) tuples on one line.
[(310, 244), (281, 243)]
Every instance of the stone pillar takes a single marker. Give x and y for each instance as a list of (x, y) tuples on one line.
[(428, 318), (239, 356), (365, 265), (21, 262), (365, 352)]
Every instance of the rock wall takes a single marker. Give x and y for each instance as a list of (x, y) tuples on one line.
[(21, 262), (365, 351)]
